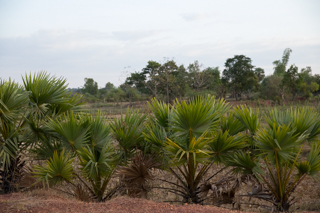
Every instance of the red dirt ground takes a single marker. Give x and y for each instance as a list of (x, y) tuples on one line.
[(20, 202)]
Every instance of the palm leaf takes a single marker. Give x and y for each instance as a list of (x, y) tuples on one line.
[(56, 170)]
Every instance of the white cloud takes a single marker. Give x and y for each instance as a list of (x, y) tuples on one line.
[(194, 16)]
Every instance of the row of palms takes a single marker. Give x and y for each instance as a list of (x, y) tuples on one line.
[(186, 138)]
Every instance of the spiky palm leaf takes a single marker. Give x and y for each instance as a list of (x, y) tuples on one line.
[(197, 116), (56, 170), (302, 120), (311, 166), (231, 124), (12, 100), (128, 131), (280, 143), (72, 131), (244, 163), (196, 150), (161, 111), (248, 117), (222, 145), (96, 165), (99, 132)]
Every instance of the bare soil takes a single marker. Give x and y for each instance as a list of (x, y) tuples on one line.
[(26, 202)]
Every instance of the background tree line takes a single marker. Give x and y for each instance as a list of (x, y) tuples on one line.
[(239, 79)]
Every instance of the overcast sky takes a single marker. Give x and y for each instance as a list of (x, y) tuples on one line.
[(105, 39)]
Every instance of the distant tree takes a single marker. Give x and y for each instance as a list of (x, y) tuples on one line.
[(213, 74), (239, 74), (199, 79), (130, 92), (271, 87), (109, 86), (292, 80), (152, 72), (180, 82), (280, 65), (137, 80), (259, 72), (309, 84), (166, 77), (90, 86)]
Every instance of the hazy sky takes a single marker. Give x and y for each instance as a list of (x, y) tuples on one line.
[(101, 39)]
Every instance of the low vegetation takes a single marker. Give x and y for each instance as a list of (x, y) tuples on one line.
[(97, 158)]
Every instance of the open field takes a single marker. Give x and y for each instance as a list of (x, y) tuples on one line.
[(117, 108)]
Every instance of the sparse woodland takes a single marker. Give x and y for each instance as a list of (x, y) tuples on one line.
[(239, 80)]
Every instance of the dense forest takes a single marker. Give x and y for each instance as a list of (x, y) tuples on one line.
[(239, 80)]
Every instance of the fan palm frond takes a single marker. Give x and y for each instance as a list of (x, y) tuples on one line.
[(56, 170), (222, 145)]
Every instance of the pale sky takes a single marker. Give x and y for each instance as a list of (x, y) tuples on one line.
[(105, 39)]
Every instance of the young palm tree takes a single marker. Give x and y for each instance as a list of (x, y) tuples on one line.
[(23, 110), (88, 140), (127, 130), (189, 135), (279, 148)]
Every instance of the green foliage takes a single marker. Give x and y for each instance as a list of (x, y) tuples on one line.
[(12, 99), (57, 169), (231, 124), (279, 148), (300, 120), (271, 87), (197, 116), (87, 137), (189, 137), (222, 144), (292, 80), (248, 118), (280, 65), (24, 110), (70, 130), (240, 76), (90, 86), (127, 131), (161, 112)]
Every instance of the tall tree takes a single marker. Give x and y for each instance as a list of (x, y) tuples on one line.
[(152, 72), (109, 86), (259, 72), (137, 80), (280, 65), (309, 84), (166, 77), (90, 86), (271, 87), (239, 74), (213, 74), (199, 78), (292, 80), (180, 82)]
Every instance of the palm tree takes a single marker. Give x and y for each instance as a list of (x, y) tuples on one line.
[(23, 110), (189, 134), (87, 139), (279, 148), (127, 131)]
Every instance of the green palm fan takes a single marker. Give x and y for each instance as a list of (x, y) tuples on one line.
[(56, 170), (127, 130)]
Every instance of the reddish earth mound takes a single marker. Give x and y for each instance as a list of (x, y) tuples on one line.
[(19, 202)]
